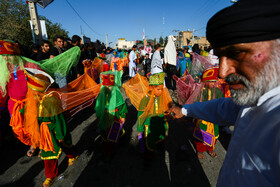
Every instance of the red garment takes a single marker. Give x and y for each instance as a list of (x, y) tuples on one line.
[(105, 67), (201, 147), (16, 88), (51, 166)]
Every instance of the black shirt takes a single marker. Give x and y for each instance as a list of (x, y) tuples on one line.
[(42, 56)]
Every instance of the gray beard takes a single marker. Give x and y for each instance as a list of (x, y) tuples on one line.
[(266, 80)]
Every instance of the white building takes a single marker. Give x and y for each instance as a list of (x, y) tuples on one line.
[(123, 44)]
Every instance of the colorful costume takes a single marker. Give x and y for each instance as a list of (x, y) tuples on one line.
[(206, 133), (110, 107), (49, 131), (151, 123)]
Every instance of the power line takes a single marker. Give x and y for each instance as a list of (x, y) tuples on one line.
[(83, 20)]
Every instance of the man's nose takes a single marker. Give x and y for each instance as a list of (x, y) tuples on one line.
[(226, 67)]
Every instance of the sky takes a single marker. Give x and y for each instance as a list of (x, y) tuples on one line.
[(127, 18)]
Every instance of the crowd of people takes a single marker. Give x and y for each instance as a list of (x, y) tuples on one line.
[(239, 86)]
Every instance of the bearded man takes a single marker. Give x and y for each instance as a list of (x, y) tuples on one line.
[(246, 39)]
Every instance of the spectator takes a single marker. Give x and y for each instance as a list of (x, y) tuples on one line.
[(45, 51)]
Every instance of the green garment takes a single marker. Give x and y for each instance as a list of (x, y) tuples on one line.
[(154, 127), (50, 111), (215, 94), (58, 131), (109, 105)]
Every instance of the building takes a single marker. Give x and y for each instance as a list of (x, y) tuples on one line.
[(186, 39), (123, 44)]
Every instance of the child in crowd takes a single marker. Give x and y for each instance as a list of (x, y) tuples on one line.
[(45, 123), (151, 123), (110, 110)]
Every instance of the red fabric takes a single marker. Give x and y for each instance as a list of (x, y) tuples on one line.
[(201, 147), (51, 168), (105, 67), (16, 89)]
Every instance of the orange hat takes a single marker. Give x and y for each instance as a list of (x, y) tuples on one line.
[(210, 74), (34, 82), (9, 48)]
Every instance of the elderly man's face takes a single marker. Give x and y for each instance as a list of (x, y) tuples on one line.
[(244, 67)]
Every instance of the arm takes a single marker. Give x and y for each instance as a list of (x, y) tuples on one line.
[(219, 111)]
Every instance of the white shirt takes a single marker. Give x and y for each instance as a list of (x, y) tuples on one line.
[(156, 64), (132, 64), (170, 51), (253, 155)]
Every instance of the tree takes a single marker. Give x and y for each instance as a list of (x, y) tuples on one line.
[(14, 23), (161, 40), (165, 40)]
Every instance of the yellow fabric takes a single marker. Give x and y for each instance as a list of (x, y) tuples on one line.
[(46, 140), (164, 102), (136, 88), (157, 79)]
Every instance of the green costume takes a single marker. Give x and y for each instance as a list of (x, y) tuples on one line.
[(155, 127), (110, 104), (56, 125), (151, 122)]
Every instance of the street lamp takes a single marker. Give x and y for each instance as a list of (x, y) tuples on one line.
[(177, 41)]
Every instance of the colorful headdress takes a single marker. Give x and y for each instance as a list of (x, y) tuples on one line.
[(9, 48), (36, 83), (210, 74), (107, 79), (157, 79)]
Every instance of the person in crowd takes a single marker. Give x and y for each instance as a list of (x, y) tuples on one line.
[(132, 62), (111, 111), (147, 65), (58, 46), (45, 51), (207, 133), (115, 62), (157, 62), (249, 62), (170, 61), (151, 124), (35, 50), (51, 132)]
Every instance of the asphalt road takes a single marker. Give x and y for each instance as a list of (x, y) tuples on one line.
[(175, 162)]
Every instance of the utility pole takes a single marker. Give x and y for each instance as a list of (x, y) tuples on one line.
[(35, 22), (106, 40), (193, 37)]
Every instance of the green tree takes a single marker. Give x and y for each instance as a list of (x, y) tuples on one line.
[(14, 23), (165, 40), (161, 40), (14, 16)]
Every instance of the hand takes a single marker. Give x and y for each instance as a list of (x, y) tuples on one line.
[(122, 120), (175, 112)]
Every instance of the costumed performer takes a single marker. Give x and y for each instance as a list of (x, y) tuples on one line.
[(151, 124), (110, 110), (45, 122), (207, 133)]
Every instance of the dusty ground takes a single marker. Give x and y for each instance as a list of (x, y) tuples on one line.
[(175, 163)]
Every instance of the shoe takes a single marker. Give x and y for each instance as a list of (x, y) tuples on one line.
[(71, 161), (48, 182)]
